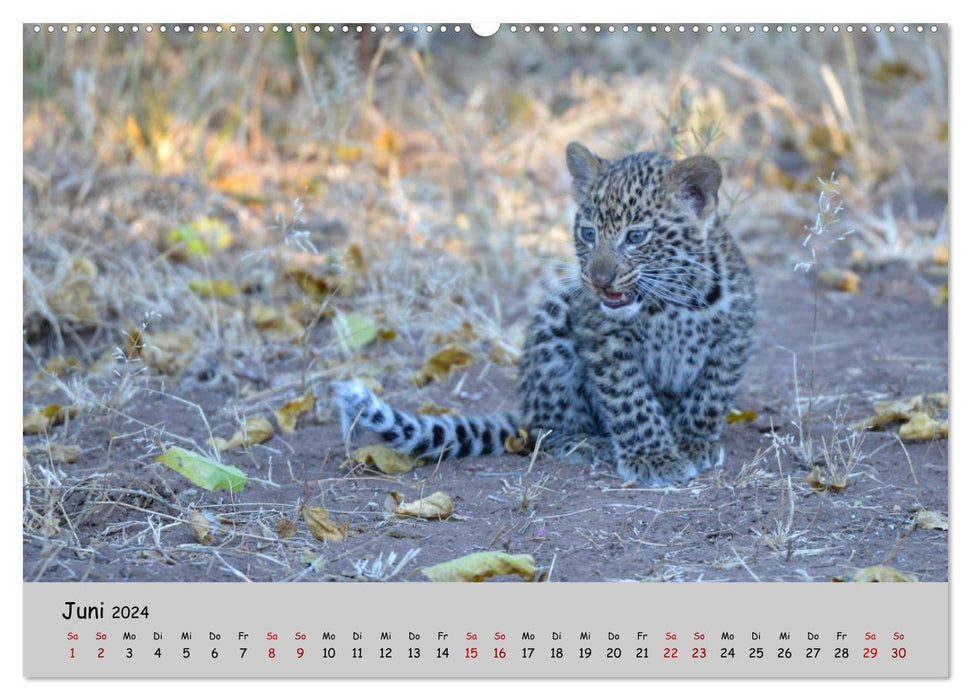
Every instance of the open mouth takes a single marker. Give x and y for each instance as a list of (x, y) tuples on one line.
[(616, 300)]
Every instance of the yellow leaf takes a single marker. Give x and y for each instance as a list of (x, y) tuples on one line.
[(466, 331), (442, 363), (286, 417), (39, 420), (502, 353), (882, 574), (430, 408), (213, 288), (940, 254), (520, 443), (322, 527), (482, 565), (135, 139), (60, 366), (818, 483), (201, 527), (255, 431), (72, 298), (908, 409), (437, 506), (930, 520), (276, 324), (65, 454), (167, 351), (347, 153), (199, 238), (842, 280), (384, 459), (921, 427), (738, 416), (321, 276)]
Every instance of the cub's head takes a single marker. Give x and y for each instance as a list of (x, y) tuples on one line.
[(641, 223)]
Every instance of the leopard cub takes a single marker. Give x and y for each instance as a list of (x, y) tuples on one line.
[(638, 360)]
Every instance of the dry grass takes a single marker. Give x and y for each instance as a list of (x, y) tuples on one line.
[(439, 160)]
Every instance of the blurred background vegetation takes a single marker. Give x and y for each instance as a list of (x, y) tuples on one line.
[(211, 180)]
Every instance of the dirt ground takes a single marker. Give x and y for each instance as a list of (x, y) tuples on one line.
[(191, 245), (755, 518)]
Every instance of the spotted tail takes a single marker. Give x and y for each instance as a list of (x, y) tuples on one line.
[(422, 436)]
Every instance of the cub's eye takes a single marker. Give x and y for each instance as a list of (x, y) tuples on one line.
[(637, 236), (588, 234)]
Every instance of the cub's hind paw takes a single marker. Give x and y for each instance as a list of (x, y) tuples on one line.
[(658, 470), (704, 455), (578, 448)]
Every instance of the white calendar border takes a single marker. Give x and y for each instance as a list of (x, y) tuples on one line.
[(493, 10)]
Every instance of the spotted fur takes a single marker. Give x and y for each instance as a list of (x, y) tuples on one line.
[(638, 361)]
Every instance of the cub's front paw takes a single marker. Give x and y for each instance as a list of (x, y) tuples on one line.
[(704, 455), (658, 469)]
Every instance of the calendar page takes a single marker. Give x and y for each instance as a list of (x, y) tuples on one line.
[(592, 350)]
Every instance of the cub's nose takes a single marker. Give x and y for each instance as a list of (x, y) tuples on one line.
[(602, 279)]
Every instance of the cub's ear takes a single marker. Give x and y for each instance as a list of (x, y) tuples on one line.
[(695, 182), (584, 167)]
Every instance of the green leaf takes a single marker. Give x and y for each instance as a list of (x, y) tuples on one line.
[(354, 330), (203, 471), (201, 236)]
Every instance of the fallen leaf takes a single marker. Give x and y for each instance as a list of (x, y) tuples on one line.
[(738, 416), (286, 528), (201, 527), (323, 275), (520, 443), (314, 560), (841, 280), (278, 325), (437, 506), (354, 330), (465, 332), (60, 366), (914, 411), (430, 408), (39, 420), (286, 417), (167, 351), (200, 237), (322, 527), (900, 407), (384, 459), (442, 363), (64, 454), (818, 483), (930, 520), (254, 432), (882, 574), (922, 427), (501, 353), (482, 565), (213, 288), (202, 471), (71, 299)]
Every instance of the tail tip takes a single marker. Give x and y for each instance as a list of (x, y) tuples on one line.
[(352, 397)]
